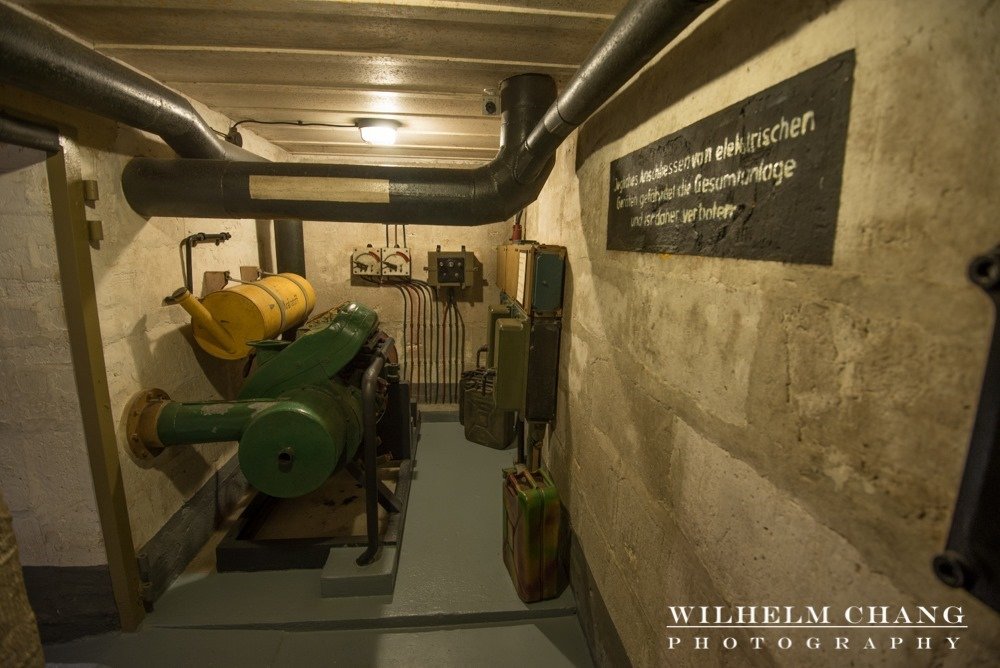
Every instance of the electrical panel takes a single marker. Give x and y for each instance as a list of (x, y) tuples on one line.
[(532, 275), (366, 262), (510, 354), (524, 332), (453, 269), (396, 262)]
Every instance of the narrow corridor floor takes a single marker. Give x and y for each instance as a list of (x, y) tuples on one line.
[(453, 604)]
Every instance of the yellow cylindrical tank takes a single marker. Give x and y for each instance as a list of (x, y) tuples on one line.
[(225, 320)]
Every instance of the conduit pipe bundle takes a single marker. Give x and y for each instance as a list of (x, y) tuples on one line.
[(214, 180)]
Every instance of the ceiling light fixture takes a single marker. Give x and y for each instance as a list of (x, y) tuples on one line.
[(378, 131)]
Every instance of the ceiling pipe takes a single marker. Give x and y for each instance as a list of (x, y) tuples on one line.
[(30, 135), (640, 31), (310, 191), (36, 58), (39, 59), (534, 124)]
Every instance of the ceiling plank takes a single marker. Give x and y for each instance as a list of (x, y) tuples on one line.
[(391, 161), (368, 72), (345, 136), (603, 9), (413, 123), (389, 151), (285, 102), (452, 34)]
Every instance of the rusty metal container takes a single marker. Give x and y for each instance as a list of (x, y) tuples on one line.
[(534, 536)]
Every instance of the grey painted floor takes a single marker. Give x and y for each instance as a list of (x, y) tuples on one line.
[(453, 605)]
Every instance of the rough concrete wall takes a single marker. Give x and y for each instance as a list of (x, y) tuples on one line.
[(145, 344), (44, 471), (328, 254), (734, 432)]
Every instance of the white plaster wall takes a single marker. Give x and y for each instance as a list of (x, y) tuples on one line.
[(737, 432), (44, 470), (145, 343)]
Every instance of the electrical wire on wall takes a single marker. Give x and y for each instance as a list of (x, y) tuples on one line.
[(406, 362), (461, 352), (448, 342), (433, 336)]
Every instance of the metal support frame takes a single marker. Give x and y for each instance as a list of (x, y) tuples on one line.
[(971, 559), (190, 242), (369, 388)]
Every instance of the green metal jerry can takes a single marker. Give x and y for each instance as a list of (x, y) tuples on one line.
[(534, 545)]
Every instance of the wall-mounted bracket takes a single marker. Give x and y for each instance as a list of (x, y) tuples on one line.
[(971, 559)]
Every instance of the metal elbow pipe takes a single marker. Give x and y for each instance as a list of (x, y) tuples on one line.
[(640, 31), (309, 191), (39, 59), (535, 123)]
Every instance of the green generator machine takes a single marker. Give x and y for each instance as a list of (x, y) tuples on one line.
[(310, 407)]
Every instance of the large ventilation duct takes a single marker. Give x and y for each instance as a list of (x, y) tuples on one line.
[(219, 189), (533, 128), (39, 59), (36, 58), (219, 183)]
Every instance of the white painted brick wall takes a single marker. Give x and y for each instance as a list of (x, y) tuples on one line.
[(44, 470)]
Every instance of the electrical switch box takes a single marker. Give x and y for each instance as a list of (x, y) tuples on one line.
[(532, 275), (395, 262), (510, 347), (450, 269), (366, 262), (453, 269)]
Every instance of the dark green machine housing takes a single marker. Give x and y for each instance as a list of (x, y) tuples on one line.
[(298, 417)]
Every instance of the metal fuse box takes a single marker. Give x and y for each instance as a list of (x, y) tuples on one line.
[(542, 374), (496, 311), (508, 262), (511, 356), (532, 275), (546, 268), (453, 269)]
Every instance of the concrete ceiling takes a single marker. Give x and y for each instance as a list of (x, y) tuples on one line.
[(425, 63)]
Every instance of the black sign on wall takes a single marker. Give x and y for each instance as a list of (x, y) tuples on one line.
[(758, 180)]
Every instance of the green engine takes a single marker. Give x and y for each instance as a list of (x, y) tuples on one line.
[(299, 416)]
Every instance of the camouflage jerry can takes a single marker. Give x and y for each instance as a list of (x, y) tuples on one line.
[(534, 545)]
